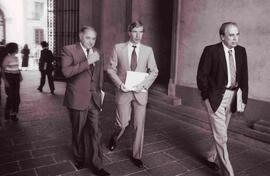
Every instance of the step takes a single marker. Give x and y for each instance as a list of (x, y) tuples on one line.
[(259, 136)]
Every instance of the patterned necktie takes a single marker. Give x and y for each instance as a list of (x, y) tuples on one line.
[(133, 64), (91, 67), (232, 69)]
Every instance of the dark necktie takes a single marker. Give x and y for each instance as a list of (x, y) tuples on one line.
[(133, 64), (232, 69), (91, 67)]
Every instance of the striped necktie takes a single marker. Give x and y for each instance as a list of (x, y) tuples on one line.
[(133, 64), (232, 69)]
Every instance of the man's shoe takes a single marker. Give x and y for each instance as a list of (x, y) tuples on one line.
[(52, 92), (79, 165), (101, 172), (112, 143), (137, 162), (39, 89), (212, 165)]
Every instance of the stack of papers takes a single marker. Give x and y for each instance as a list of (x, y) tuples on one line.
[(135, 78)]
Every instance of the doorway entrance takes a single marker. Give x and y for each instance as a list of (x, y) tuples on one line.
[(157, 16)]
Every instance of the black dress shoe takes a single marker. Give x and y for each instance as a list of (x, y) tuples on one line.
[(79, 165), (101, 172), (52, 92), (39, 89), (213, 166), (112, 144), (137, 162)]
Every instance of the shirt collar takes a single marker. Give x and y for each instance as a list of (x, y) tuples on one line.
[(130, 44), (226, 49)]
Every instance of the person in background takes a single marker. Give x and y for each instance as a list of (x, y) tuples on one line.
[(12, 78), (46, 67), (25, 56)]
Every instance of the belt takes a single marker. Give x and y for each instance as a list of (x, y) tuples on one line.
[(233, 88)]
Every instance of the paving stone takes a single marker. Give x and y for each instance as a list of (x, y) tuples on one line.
[(52, 142), (15, 156), (30, 172), (36, 162), (192, 163), (9, 168), (154, 138), (155, 147), (55, 169), (15, 149), (259, 170), (141, 173), (202, 172), (82, 172), (248, 159), (119, 155), (170, 169), (157, 159), (122, 168)]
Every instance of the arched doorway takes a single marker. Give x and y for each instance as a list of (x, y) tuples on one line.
[(2, 27)]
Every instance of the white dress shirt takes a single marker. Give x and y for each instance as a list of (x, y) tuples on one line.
[(85, 52), (226, 50)]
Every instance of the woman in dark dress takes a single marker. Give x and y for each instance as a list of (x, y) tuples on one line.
[(25, 55)]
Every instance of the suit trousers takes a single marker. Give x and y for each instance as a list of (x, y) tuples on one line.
[(13, 94), (123, 116), (86, 136), (219, 122), (43, 79)]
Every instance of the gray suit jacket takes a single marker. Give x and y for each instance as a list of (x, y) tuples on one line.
[(81, 84), (119, 66)]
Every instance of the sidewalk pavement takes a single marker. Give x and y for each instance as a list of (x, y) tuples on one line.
[(39, 143)]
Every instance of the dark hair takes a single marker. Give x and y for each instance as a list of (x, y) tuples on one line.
[(12, 48), (84, 28), (134, 24), (44, 44), (224, 25)]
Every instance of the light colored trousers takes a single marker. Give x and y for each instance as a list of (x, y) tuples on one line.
[(123, 116), (219, 122)]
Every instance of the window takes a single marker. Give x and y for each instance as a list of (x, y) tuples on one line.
[(39, 36), (38, 13)]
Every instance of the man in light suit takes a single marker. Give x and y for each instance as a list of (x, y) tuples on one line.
[(131, 56), (222, 71), (82, 65)]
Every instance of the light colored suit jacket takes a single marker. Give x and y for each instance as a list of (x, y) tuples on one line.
[(81, 84), (119, 65)]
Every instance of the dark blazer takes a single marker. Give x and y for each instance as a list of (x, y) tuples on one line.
[(46, 56), (212, 74), (81, 84)]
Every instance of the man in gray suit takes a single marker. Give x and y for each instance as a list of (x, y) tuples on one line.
[(131, 56), (82, 65)]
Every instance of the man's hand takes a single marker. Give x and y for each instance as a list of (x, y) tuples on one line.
[(93, 57), (139, 88), (208, 106), (242, 109), (123, 88)]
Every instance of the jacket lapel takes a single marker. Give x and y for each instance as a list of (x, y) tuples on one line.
[(125, 56), (237, 62), (222, 57)]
